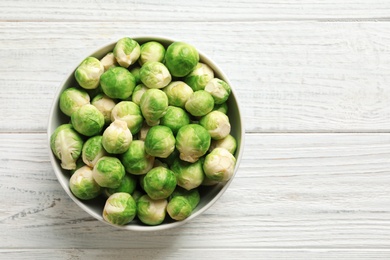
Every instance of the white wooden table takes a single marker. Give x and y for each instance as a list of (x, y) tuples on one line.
[(313, 78)]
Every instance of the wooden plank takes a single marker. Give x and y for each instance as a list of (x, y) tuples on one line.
[(289, 77), (156, 10), (292, 191)]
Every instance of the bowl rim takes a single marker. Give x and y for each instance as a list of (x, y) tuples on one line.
[(59, 171)]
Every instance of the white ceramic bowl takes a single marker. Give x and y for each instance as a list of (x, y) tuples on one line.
[(209, 194)]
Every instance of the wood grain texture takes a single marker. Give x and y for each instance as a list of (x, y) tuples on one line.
[(292, 191), (289, 77), (157, 10)]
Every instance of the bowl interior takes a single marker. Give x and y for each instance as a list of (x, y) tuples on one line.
[(209, 194)]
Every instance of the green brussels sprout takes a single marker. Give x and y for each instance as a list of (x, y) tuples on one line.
[(188, 175), (144, 131), (219, 165), (83, 185), (136, 160), (200, 103), (181, 58), (139, 90), (129, 112), (135, 72), (117, 137), (192, 196), (88, 73), (128, 185), (108, 172), (199, 77), (151, 212), (66, 144), (217, 124), (192, 141), (105, 105), (151, 51), (219, 89), (175, 118), (154, 74), (126, 51), (118, 83), (154, 105), (72, 99), (159, 141), (109, 61), (87, 120), (159, 183), (93, 150), (179, 208), (229, 143), (120, 209), (221, 107), (178, 93)]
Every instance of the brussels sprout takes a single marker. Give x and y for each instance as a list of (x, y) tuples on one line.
[(221, 107), (154, 105), (136, 160), (179, 208), (219, 89), (154, 74), (66, 144), (87, 120), (159, 183), (117, 137), (175, 118), (126, 51), (178, 93), (217, 124), (192, 196), (129, 112), (219, 165), (135, 72), (88, 73), (105, 105), (109, 61), (128, 185), (93, 150), (229, 143), (181, 58), (159, 141), (151, 212), (199, 77), (188, 175), (72, 99), (120, 209), (200, 103), (83, 185), (144, 131), (139, 90), (117, 82), (151, 51), (108, 172), (192, 141)]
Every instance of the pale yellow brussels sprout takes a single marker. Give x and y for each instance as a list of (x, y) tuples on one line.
[(151, 51), (88, 73), (178, 93), (154, 105), (154, 74), (219, 165), (66, 144), (105, 105), (109, 61), (136, 160), (144, 131), (72, 99), (229, 143), (219, 89), (139, 90), (200, 103), (83, 185), (199, 77), (126, 51), (117, 137), (87, 120), (120, 209), (108, 172), (151, 212), (129, 112), (217, 124), (181, 58), (93, 150)]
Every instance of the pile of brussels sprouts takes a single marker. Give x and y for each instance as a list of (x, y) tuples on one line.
[(147, 128)]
